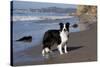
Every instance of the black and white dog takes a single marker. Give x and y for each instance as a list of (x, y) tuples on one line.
[(59, 37)]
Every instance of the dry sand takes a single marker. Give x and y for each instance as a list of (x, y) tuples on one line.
[(82, 47)]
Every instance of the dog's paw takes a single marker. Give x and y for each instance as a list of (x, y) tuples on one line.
[(61, 53), (66, 52)]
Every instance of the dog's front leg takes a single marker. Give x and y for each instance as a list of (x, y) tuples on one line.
[(65, 48), (60, 49)]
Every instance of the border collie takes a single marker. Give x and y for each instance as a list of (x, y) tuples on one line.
[(59, 37)]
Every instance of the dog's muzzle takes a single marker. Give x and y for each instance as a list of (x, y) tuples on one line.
[(65, 30)]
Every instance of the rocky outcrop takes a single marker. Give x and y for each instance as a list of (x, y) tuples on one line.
[(87, 9), (87, 15)]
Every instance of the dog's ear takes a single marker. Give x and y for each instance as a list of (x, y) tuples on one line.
[(68, 24), (61, 26)]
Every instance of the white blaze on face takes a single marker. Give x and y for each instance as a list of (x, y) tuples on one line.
[(64, 27)]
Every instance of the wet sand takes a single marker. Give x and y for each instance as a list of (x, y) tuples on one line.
[(82, 47)]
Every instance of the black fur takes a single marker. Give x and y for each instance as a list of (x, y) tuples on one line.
[(61, 26), (51, 37), (67, 26)]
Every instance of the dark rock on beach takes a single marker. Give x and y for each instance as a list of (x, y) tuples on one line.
[(25, 38)]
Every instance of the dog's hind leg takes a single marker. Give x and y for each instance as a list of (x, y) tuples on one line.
[(45, 51)]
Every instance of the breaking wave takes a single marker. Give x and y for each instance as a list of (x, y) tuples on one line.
[(29, 18)]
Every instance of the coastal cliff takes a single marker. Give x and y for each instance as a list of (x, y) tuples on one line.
[(87, 15)]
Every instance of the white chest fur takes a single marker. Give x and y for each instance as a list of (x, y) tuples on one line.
[(64, 36)]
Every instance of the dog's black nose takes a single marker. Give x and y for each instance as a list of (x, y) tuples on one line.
[(64, 29)]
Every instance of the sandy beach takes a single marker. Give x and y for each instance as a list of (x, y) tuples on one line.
[(82, 47)]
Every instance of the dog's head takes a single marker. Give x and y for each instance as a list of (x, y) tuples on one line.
[(64, 27)]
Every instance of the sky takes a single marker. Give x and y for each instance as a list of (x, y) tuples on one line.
[(23, 4)]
